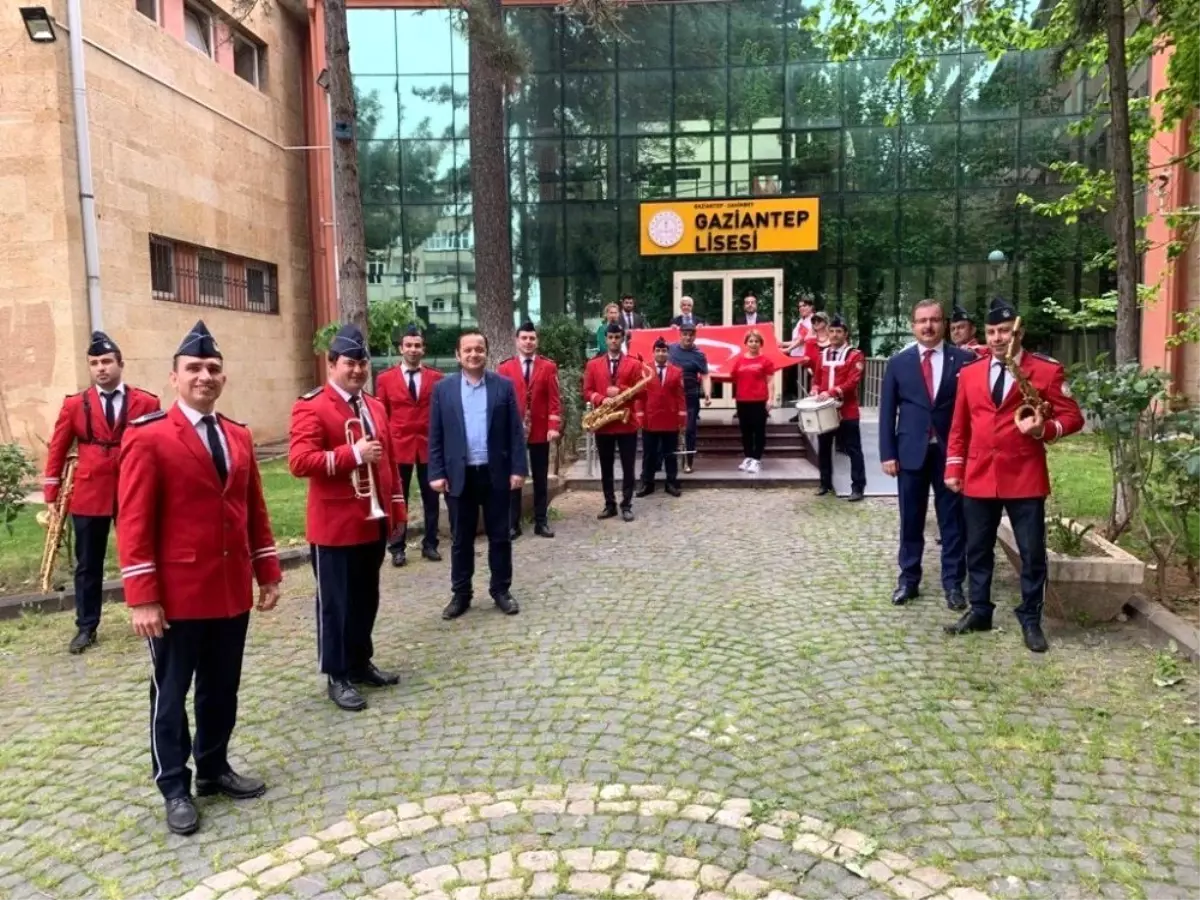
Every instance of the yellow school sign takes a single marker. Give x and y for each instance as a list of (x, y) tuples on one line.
[(689, 227)]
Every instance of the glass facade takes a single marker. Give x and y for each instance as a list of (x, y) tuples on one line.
[(717, 100)]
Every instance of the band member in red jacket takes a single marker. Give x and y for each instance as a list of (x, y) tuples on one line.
[(405, 391), (195, 536), (94, 421), (348, 520), (666, 417), (999, 465), (604, 377), (838, 376), (535, 380), (962, 332)]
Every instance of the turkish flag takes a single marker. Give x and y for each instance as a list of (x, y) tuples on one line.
[(720, 344)]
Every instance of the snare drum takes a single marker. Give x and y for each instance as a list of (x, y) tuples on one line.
[(819, 416)]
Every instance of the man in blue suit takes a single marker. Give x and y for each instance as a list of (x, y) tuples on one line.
[(476, 457), (915, 407)]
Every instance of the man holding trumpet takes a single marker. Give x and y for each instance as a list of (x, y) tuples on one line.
[(340, 443)]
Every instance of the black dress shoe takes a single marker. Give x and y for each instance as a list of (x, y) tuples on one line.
[(971, 621), (431, 554), (1034, 639), (543, 531), (903, 593), (794, 419), (375, 677), (506, 604), (83, 639), (627, 515), (231, 784), (182, 817), (644, 491), (456, 607), (855, 497), (822, 491), (399, 558), (608, 512), (955, 599), (514, 533), (673, 490), (342, 692)]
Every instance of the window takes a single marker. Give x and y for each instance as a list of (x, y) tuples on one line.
[(375, 271), (148, 8), (197, 29), (246, 60), (199, 276)]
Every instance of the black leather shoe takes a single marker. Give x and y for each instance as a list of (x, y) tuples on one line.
[(673, 490), (608, 512), (506, 604), (822, 491), (955, 599), (970, 621), (231, 784), (456, 607), (855, 497), (543, 531), (1034, 639), (627, 515), (514, 533), (644, 491), (83, 639), (375, 677), (903, 593), (182, 817), (342, 692), (399, 558), (431, 554), (794, 419)]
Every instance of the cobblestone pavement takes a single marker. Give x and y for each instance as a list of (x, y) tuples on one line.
[(714, 701)]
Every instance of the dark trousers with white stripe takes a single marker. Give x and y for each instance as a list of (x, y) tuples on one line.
[(91, 545), (347, 603), (1028, 518), (211, 651)]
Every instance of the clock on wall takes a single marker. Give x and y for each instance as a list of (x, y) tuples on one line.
[(665, 228)]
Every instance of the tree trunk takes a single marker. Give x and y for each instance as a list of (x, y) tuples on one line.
[(1123, 214), (489, 181), (351, 238)]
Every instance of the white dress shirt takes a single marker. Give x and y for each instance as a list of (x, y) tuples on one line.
[(752, 318), (1000, 370), (195, 416), (416, 373), (118, 400)]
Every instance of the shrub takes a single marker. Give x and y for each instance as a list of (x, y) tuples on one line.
[(386, 321), (16, 470)]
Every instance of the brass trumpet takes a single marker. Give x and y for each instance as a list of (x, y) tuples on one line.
[(370, 490)]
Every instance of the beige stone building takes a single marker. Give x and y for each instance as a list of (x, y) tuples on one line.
[(196, 124)]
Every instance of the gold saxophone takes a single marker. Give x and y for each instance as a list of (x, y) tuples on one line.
[(1032, 403), (54, 519), (616, 409)]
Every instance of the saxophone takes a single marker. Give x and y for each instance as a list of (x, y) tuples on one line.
[(1032, 404), (54, 519), (616, 409)]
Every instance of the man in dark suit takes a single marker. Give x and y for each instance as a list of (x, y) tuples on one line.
[(748, 314), (687, 314), (476, 457), (630, 320), (915, 408)]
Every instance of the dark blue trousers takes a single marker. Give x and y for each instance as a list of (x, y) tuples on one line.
[(479, 494), (91, 545), (658, 448), (210, 650), (914, 488), (1028, 518), (347, 603), (693, 423), (429, 504), (539, 474)]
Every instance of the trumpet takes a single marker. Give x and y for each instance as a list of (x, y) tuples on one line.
[(1032, 403), (355, 431), (54, 519)]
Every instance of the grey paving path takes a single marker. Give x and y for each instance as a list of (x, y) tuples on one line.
[(713, 701)]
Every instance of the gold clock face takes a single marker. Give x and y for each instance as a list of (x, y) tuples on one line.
[(665, 229)]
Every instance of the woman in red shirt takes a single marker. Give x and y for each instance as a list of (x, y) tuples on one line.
[(751, 377)]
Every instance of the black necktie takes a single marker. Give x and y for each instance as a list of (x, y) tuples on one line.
[(662, 375), (412, 385), (354, 405), (612, 370), (214, 446), (998, 387), (110, 412), (528, 369)]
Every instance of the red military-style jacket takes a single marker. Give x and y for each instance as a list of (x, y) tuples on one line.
[(597, 379), (81, 421), (187, 542), (665, 408), (541, 394), (408, 419), (319, 452), (981, 350), (839, 372), (987, 451)]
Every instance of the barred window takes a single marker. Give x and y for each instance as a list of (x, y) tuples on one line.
[(201, 276)]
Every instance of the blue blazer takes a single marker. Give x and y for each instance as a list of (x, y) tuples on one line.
[(448, 433), (905, 411)]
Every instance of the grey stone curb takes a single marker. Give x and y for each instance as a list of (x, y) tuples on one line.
[(1164, 625)]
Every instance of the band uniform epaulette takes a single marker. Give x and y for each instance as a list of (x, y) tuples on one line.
[(978, 358), (146, 392), (313, 393), (148, 418), (225, 418), (503, 361), (1049, 359)]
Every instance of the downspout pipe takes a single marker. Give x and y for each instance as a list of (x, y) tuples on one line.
[(83, 149)]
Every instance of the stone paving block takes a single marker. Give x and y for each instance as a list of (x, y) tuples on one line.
[(498, 810), (551, 807), (581, 808), (935, 878), (199, 892), (966, 893), (854, 840), (894, 861), (538, 860), (299, 848), (544, 884), (433, 878), (732, 818), (714, 876), (442, 803), (579, 858), (681, 867), (464, 815), (377, 819), (744, 884), (641, 861), (409, 811), (613, 791), (470, 892), (589, 882), (675, 889), (658, 808), (225, 881), (501, 866), (352, 847), (698, 813), (473, 871), (273, 878), (243, 893), (771, 832), (815, 826), (617, 806), (478, 798), (409, 827), (907, 889), (338, 831), (259, 864), (603, 860), (647, 791), (383, 835), (631, 884), (581, 791), (318, 859)]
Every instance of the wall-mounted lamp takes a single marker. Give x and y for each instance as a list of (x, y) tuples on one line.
[(39, 24), (323, 79)]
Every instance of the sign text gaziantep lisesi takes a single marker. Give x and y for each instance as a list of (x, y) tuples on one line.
[(758, 225)]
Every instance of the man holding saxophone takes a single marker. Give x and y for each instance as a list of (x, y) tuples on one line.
[(614, 380), (1009, 406), (340, 442)]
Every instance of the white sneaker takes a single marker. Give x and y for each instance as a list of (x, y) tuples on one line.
[(754, 467), (744, 465)]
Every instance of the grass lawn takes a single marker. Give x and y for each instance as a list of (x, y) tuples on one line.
[(1081, 479)]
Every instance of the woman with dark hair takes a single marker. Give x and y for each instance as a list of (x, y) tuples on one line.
[(751, 377)]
